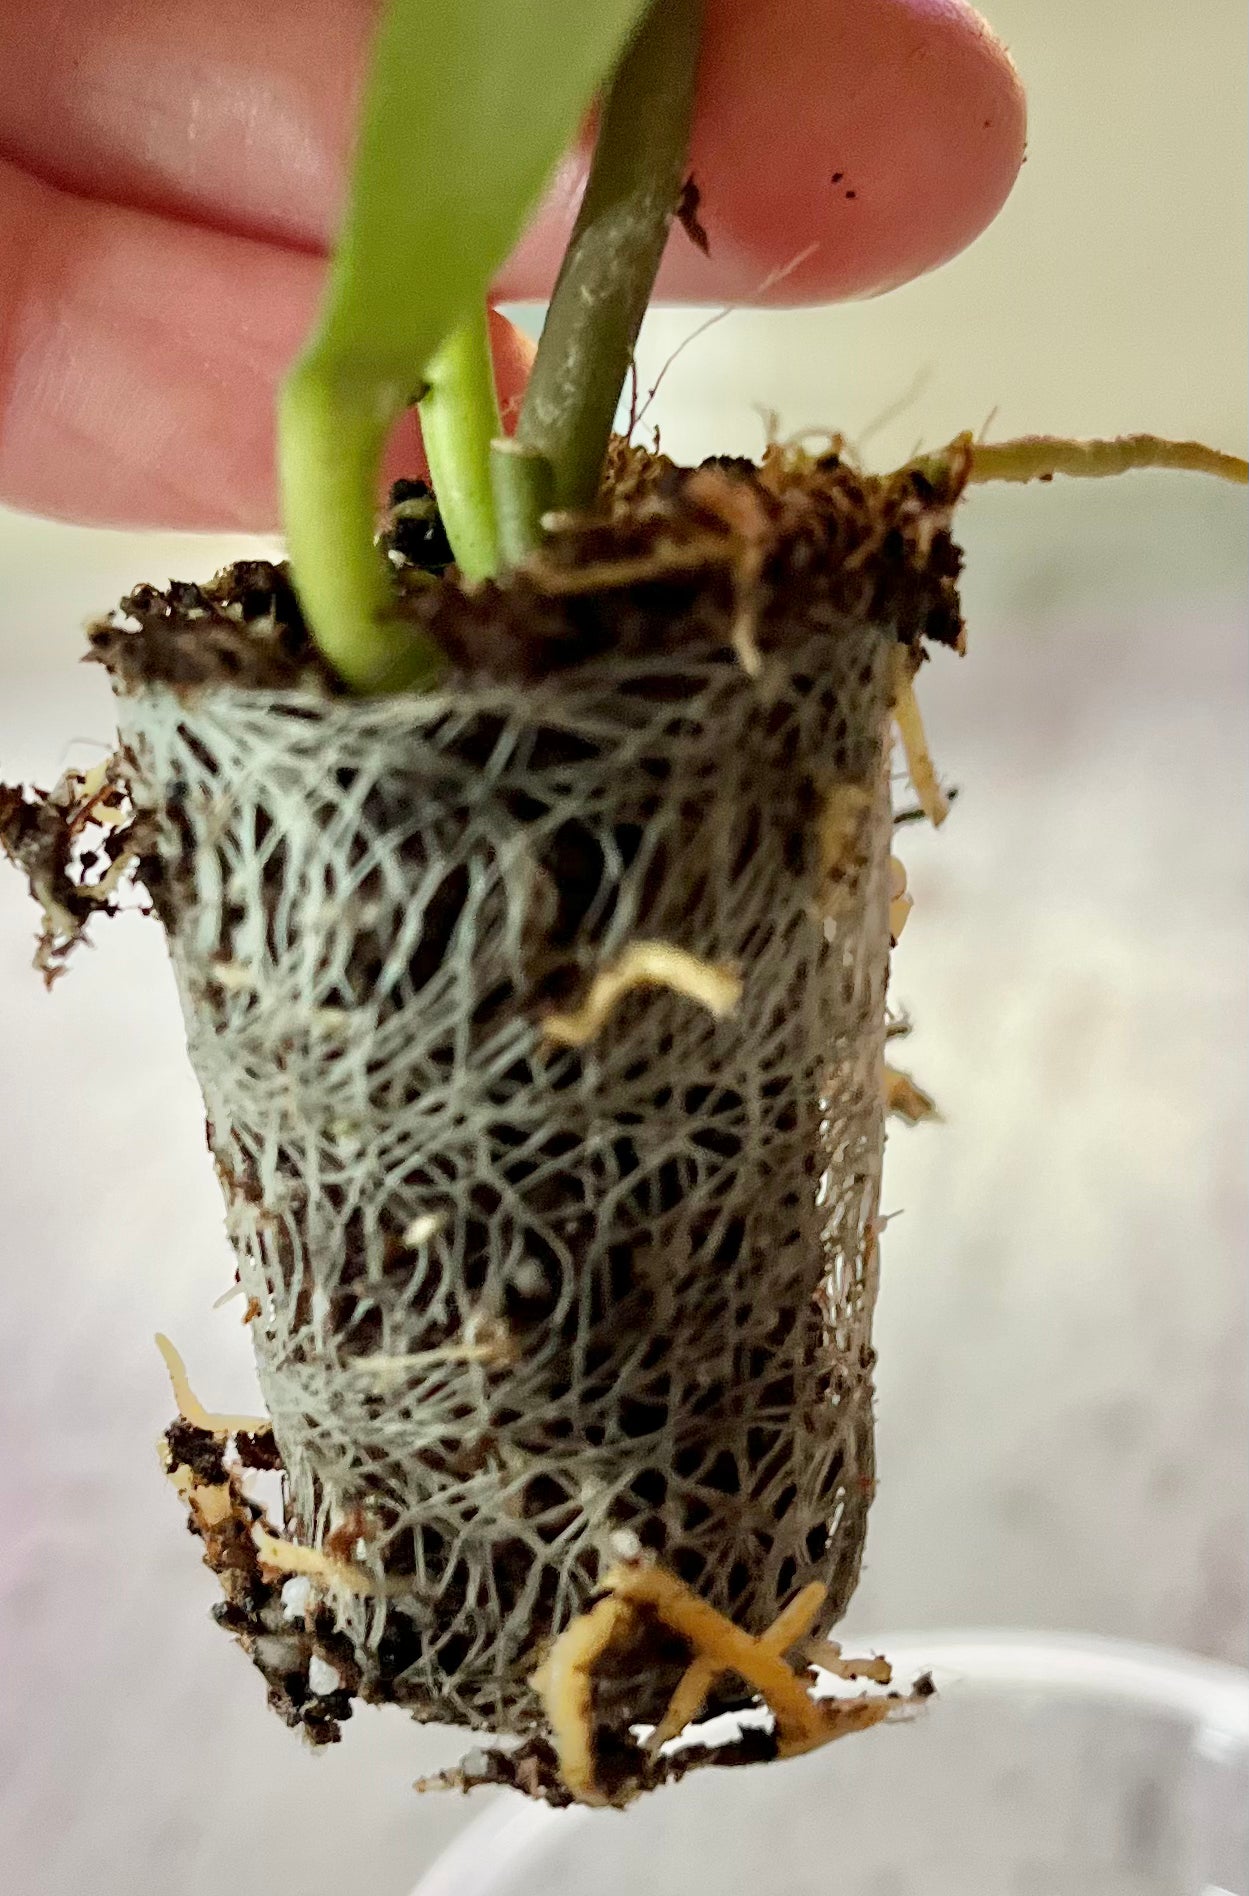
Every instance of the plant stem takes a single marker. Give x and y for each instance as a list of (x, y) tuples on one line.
[(524, 489), (468, 105), (459, 419), (609, 269), (331, 431)]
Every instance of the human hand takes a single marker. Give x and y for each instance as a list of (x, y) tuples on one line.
[(172, 173)]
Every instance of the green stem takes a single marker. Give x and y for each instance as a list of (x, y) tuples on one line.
[(524, 490), (332, 428), (468, 105), (617, 242), (459, 419)]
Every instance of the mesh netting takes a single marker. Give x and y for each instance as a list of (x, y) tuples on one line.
[(514, 1297)]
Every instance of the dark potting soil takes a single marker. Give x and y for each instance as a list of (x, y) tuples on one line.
[(673, 554)]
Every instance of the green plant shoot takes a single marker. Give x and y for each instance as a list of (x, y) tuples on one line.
[(468, 107), (459, 420), (609, 269)]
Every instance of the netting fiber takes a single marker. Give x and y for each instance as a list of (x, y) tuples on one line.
[(515, 1296)]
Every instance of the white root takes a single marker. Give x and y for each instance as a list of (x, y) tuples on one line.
[(489, 1342), (422, 1228)]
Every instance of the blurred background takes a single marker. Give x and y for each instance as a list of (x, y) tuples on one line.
[(1062, 1328)]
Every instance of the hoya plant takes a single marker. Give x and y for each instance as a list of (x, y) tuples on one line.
[(468, 110), (527, 875)]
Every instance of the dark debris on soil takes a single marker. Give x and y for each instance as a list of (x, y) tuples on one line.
[(280, 1645), (75, 844), (625, 1768)]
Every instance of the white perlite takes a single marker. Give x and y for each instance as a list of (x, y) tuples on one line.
[(516, 1297)]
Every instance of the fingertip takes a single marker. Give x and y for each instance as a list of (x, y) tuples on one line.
[(840, 148), (514, 352)]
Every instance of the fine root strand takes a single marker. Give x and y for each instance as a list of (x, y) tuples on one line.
[(606, 575)]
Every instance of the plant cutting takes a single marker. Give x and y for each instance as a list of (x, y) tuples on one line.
[(528, 882)]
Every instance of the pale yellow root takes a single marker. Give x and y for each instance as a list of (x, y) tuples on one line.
[(929, 795), (842, 838), (739, 509), (565, 1680), (709, 1632), (686, 1702), (645, 964), (564, 1684), (210, 1501), (837, 1718), (192, 1410), (827, 1655), (1038, 457), (795, 1621), (789, 1626), (900, 903), (283, 1556), (905, 1099), (735, 504)]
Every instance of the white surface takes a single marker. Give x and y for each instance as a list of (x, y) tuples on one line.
[(1211, 1700)]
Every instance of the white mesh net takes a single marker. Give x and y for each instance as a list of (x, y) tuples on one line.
[(515, 1296)]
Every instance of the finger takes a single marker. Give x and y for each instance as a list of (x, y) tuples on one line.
[(139, 358), (840, 147), (877, 136), (144, 325)]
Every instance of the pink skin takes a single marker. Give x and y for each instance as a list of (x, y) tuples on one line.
[(172, 170)]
